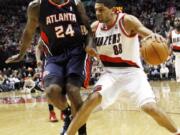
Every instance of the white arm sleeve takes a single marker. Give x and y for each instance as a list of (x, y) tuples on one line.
[(77, 1)]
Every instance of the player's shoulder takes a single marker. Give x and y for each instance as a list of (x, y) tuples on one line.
[(94, 25), (129, 18), (131, 23)]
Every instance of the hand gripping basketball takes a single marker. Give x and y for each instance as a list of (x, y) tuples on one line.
[(154, 49)]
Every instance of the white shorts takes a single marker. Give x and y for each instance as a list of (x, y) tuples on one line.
[(130, 83)]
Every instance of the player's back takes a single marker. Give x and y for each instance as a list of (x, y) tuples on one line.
[(61, 25)]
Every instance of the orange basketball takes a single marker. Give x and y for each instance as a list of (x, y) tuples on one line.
[(154, 52)]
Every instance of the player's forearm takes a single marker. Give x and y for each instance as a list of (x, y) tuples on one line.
[(37, 53), (169, 41), (134, 26), (90, 41), (85, 21), (144, 32), (25, 42), (83, 15), (90, 37), (30, 28), (38, 57)]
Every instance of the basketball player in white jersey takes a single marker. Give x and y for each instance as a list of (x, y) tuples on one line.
[(174, 41), (118, 47)]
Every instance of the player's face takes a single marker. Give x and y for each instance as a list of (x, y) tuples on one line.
[(177, 22), (103, 13)]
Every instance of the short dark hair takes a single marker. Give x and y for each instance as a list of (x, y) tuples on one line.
[(107, 3)]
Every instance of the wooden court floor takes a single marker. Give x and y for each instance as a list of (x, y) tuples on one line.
[(26, 114)]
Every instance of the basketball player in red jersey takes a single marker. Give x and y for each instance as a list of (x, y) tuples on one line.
[(174, 42), (118, 47), (66, 42)]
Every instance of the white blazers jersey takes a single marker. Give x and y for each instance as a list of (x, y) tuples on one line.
[(175, 38), (115, 47)]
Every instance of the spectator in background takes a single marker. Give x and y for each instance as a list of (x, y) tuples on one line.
[(164, 71), (154, 73), (174, 42), (29, 85)]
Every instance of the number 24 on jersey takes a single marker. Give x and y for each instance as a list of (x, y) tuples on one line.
[(61, 32)]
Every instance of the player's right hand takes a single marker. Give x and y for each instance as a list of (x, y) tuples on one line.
[(154, 37), (14, 59), (92, 52)]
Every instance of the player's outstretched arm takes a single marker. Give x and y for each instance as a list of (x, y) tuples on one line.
[(133, 26), (29, 30)]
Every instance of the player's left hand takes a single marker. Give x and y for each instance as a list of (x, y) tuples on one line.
[(92, 52), (14, 59)]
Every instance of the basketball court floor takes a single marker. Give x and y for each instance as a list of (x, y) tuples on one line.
[(27, 114)]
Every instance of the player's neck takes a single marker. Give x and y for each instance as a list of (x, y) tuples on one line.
[(112, 21)]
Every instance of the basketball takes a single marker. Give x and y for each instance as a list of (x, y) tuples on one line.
[(154, 52)]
